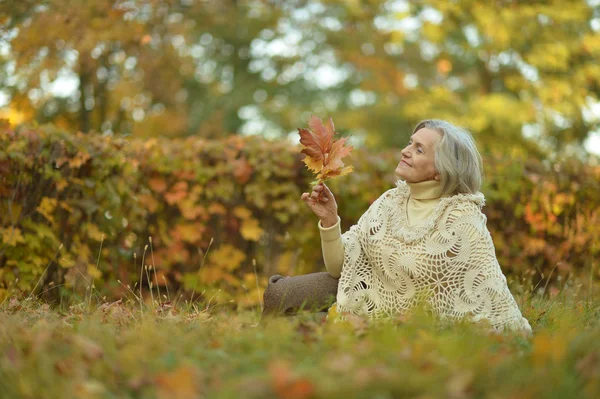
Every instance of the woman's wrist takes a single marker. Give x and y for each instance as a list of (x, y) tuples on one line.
[(328, 222)]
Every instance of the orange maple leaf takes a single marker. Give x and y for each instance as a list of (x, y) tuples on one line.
[(323, 154)]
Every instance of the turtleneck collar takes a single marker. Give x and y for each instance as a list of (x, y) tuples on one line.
[(425, 190)]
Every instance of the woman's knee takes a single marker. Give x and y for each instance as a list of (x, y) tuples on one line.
[(273, 295), (275, 278)]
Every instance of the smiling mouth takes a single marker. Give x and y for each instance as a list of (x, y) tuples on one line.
[(405, 163)]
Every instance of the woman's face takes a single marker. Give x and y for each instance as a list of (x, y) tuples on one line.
[(418, 157)]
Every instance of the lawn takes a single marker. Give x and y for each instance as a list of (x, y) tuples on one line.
[(123, 350)]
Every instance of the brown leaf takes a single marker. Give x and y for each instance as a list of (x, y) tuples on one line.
[(181, 383), (286, 385), (157, 184), (242, 171), (324, 134), (338, 151), (177, 193), (64, 366), (13, 356), (312, 148), (89, 349), (460, 385), (323, 155)]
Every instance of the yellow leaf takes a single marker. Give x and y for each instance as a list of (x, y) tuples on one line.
[(66, 207), (11, 236), (80, 159), (242, 212), (251, 230), (66, 262), (346, 171), (314, 165), (189, 232), (189, 209), (61, 184), (226, 257), (94, 232), (94, 272), (210, 275), (46, 208)]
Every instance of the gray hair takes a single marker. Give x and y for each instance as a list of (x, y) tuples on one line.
[(457, 159)]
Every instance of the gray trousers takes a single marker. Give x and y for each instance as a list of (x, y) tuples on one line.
[(314, 292)]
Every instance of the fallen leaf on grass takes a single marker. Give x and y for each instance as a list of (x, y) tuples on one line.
[(64, 366), (460, 385), (115, 312), (181, 383), (286, 385), (13, 356), (14, 304), (89, 349), (90, 389), (547, 348), (340, 363)]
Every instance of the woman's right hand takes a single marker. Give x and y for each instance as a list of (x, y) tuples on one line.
[(323, 205)]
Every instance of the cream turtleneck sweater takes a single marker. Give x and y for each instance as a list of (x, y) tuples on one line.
[(424, 196)]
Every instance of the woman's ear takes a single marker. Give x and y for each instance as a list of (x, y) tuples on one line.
[(437, 177)]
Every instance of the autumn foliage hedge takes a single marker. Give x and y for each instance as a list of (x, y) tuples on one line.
[(79, 209)]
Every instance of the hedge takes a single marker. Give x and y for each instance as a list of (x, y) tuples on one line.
[(213, 216)]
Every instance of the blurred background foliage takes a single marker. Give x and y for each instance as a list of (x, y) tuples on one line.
[(226, 214), (521, 75), (173, 119)]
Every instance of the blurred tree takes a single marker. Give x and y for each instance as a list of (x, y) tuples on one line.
[(499, 68), (146, 67), (183, 67)]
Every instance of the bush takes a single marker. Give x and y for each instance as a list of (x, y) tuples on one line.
[(211, 216)]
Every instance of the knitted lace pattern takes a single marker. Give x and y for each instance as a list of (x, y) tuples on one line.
[(448, 262)]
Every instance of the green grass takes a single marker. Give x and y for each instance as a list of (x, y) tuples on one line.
[(119, 351)]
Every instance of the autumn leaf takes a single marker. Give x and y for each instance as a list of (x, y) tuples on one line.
[(226, 257), (157, 184), (11, 236), (177, 193), (47, 207), (242, 212), (323, 154), (242, 171), (286, 385), (90, 350), (251, 229), (180, 383)]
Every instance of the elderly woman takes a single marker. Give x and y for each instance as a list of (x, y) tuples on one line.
[(424, 240)]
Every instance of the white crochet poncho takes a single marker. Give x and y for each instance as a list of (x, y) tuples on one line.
[(449, 261)]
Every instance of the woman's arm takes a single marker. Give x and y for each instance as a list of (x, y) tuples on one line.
[(333, 248)]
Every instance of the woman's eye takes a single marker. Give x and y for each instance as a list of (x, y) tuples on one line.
[(420, 151)]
